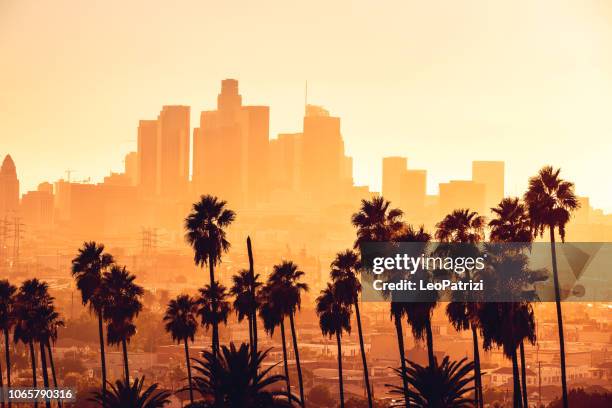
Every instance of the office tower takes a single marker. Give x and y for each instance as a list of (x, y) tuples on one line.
[(491, 174), (458, 194), (412, 194), (231, 149), (37, 206), (324, 172), (172, 165), (131, 167), (147, 156), (394, 169), (285, 161), (9, 187)]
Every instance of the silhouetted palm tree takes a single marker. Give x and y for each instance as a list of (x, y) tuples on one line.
[(46, 321), (345, 268), (181, 323), (440, 386), (466, 227), (271, 313), (33, 295), (87, 269), (419, 313), (285, 278), (235, 379), (53, 325), (124, 394), (376, 222), (205, 232), (550, 201), (122, 304), (245, 304), (254, 298), (511, 224), (7, 303), (334, 318), (213, 308)]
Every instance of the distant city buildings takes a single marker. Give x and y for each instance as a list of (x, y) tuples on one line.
[(9, 187), (295, 180)]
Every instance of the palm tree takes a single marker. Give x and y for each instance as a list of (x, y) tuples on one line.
[(376, 222), (53, 324), (181, 323), (440, 386), (285, 278), (125, 394), (419, 313), (254, 302), (46, 321), (213, 308), (345, 268), (550, 201), (205, 232), (271, 313), (466, 227), (334, 317), (7, 304), (122, 304), (235, 379), (245, 304), (33, 295), (87, 269), (511, 224)]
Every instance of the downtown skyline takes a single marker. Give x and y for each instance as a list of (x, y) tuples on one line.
[(546, 86)]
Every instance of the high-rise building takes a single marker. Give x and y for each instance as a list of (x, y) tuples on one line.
[(231, 149), (285, 161), (9, 187), (173, 133), (37, 207), (461, 194), (413, 193), (131, 167), (491, 174), (324, 171), (147, 156), (393, 171)]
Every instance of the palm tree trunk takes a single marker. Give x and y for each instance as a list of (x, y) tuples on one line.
[(297, 360), (366, 374), (33, 358), (516, 382), (282, 326), (254, 311), (477, 375), (524, 376), (250, 321), (1, 386), (559, 315), (340, 379), (7, 355), (400, 343), (215, 333), (43, 363), (430, 352), (188, 371), (126, 367), (53, 374), (102, 354)]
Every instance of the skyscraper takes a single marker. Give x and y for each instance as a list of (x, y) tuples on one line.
[(393, 172), (173, 133), (231, 149), (491, 174), (413, 193), (147, 156), (9, 187), (324, 172), (458, 194)]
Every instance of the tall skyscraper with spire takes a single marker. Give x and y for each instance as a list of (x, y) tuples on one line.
[(9, 187)]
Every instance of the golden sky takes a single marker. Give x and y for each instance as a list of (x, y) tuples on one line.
[(443, 83)]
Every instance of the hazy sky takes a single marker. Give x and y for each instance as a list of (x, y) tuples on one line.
[(441, 82)]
